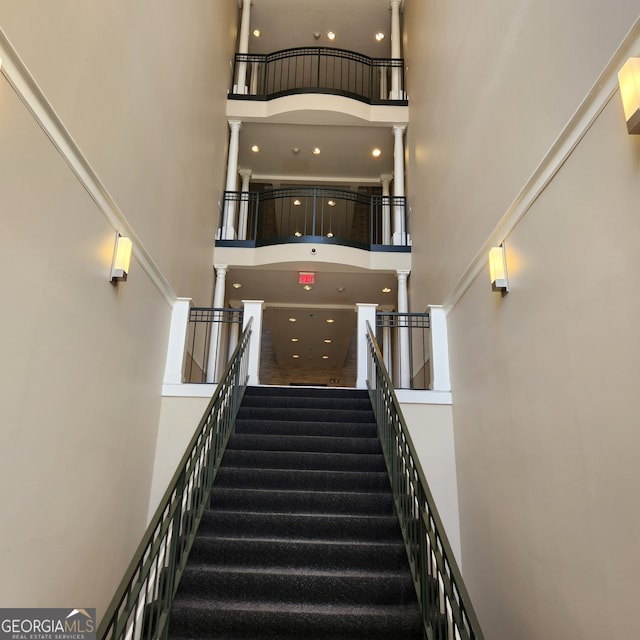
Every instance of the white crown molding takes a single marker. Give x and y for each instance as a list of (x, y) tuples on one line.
[(43, 112), (602, 91)]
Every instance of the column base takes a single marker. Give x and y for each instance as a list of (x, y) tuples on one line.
[(243, 90), (401, 239), (227, 233)]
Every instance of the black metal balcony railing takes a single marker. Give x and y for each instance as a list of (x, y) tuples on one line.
[(389, 334), (319, 70), (321, 215)]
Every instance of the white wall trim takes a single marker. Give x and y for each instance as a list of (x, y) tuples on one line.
[(423, 396), (43, 112), (603, 90)]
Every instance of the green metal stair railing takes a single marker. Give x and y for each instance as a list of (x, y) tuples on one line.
[(447, 611), (141, 605)]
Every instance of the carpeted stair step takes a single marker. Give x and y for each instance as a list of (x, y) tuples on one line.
[(284, 479), (296, 501), (305, 414), (242, 620), (264, 426), (324, 444), (316, 403), (288, 552), (310, 526), (305, 460)]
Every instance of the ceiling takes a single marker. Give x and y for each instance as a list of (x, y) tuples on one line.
[(345, 161)]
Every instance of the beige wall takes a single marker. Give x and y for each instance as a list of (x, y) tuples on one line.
[(544, 380), (140, 86)]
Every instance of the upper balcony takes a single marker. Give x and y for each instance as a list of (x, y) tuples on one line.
[(319, 70)]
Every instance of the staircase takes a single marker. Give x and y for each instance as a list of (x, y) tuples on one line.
[(301, 539)]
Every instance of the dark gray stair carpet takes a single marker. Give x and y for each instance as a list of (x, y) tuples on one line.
[(301, 539)]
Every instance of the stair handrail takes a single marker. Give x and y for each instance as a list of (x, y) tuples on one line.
[(447, 611), (140, 607)]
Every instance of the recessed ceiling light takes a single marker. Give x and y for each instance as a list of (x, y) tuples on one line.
[(295, 339), (236, 285), (295, 355), (331, 203), (296, 150), (297, 203), (379, 36), (331, 35), (376, 153), (255, 148), (316, 151), (327, 340), (307, 287), (297, 234), (317, 35), (330, 234), (293, 319), (330, 320), (325, 357), (340, 289), (257, 33), (386, 290)]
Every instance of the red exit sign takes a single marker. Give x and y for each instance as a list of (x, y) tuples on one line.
[(306, 277)]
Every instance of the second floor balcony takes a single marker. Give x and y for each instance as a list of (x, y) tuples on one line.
[(314, 214), (375, 81)]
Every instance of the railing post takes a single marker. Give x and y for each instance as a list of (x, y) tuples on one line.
[(176, 349), (253, 309), (439, 361), (366, 314)]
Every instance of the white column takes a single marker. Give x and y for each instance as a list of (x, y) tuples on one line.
[(366, 314), (439, 363), (243, 47), (385, 179), (403, 330), (176, 351), (399, 232), (234, 334), (396, 50), (245, 175), (229, 223), (214, 339), (253, 309), (387, 353)]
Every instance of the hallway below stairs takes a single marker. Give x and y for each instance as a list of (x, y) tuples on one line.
[(300, 539)]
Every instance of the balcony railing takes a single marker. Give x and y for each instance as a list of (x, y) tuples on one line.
[(313, 214), (319, 70)]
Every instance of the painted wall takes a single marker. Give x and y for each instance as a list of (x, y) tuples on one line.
[(543, 380), (139, 88)]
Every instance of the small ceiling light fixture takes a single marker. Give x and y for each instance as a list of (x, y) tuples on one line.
[(331, 203), (327, 340), (293, 319), (236, 285), (297, 234), (257, 33), (379, 36), (386, 290), (330, 320), (330, 234), (316, 35), (629, 81), (498, 269), (376, 153), (307, 287), (296, 150), (295, 339), (325, 357), (297, 203), (121, 259), (340, 289), (315, 151), (331, 35), (295, 355), (255, 148)]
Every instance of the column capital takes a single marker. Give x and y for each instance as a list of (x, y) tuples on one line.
[(398, 129), (245, 173), (403, 274), (386, 177), (221, 270), (395, 4), (235, 125)]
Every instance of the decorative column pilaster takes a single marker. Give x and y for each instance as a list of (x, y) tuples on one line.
[(243, 47), (245, 175), (403, 330), (253, 309), (216, 334), (366, 316), (396, 50), (385, 179), (399, 214), (229, 221), (439, 361)]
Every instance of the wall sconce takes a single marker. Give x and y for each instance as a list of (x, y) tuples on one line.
[(629, 80), (498, 269), (121, 259)]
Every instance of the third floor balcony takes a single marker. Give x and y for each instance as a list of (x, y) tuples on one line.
[(325, 70)]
